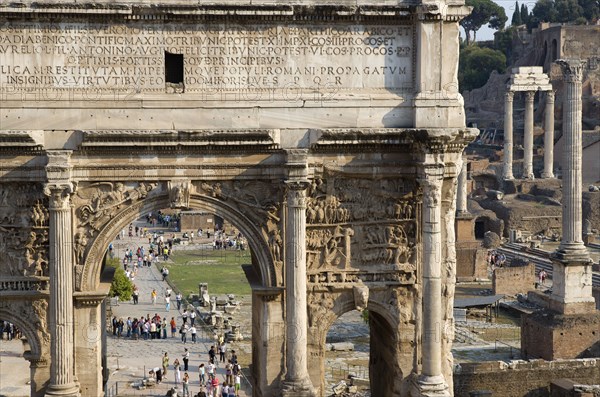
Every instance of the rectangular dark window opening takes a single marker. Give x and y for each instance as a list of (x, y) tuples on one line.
[(174, 69)]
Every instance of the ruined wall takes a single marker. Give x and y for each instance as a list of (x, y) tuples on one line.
[(513, 280), (522, 378)]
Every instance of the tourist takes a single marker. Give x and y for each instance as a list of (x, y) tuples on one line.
[(193, 316), (186, 381), (224, 390), (215, 386), (193, 332), (135, 295), (178, 299), (202, 373), (186, 359), (153, 296), (167, 303), (184, 316), (222, 350), (165, 363), (211, 371), (231, 390), (542, 276), (156, 373), (212, 354), (173, 327), (229, 372), (238, 384), (163, 327), (177, 369), (183, 331)]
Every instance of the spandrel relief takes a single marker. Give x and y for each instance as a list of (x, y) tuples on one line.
[(24, 227), (362, 225), (258, 200), (97, 203)]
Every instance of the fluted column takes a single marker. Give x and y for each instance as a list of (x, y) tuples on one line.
[(461, 196), (432, 382), (507, 172), (549, 136), (59, 189), (528, 138), (572, 275), (297, 382)]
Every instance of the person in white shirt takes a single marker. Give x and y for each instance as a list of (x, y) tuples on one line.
[(193, 332)]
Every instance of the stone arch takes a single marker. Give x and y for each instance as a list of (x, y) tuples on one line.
[(384, 329), (260, 251), (37, 348), (30, 317)]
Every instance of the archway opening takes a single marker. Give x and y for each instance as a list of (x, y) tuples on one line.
[(347, 347), (480, 228), (193, 276)]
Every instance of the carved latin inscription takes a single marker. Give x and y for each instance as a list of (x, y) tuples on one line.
[(101, 58)]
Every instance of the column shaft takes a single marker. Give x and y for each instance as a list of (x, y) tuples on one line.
[(432, 282), (549, 136), (528, 136), (508, 135), (572, 238), (62, 380), (297, 382), (461, 197)]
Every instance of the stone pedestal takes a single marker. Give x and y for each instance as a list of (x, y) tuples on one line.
[(553, 336), (528, 136), (507, 172), (549, 136)]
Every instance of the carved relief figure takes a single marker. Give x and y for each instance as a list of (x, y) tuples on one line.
[(179, 194)]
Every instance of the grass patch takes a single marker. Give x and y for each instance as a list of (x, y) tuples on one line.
[(221, 269)]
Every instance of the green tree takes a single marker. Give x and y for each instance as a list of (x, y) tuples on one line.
[(484, 11), (476, 64), (121, 285), (524, 14), (503, 42), (516, 16)]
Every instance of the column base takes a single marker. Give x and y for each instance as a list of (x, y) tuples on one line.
[(508, 177), (70, 390), (430, 386), (297, 388), (576, 254), (548, 175), (528, 176)]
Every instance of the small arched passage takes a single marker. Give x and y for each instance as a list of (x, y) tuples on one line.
[(36, 347), (385, 372), (267, 305)]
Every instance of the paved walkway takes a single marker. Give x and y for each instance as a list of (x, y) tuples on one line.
[(129, 360)]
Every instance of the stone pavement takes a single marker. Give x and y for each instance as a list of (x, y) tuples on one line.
[(129, 360), (14, 369)]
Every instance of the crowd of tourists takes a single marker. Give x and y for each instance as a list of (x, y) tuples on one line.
[(208, 381), (11, 331)]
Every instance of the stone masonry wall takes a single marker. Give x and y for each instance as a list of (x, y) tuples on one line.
[(522, 378), (513, 280)]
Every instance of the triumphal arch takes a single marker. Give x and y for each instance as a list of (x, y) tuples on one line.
[(330, 133)]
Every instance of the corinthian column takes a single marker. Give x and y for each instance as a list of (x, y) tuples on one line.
[(528, 138), (572, 275), (461, 194), (59, 188), (297, 382), (507, 172), (432, 382), (549, 136)]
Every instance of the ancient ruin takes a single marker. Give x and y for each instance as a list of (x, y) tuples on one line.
[(331, 135)]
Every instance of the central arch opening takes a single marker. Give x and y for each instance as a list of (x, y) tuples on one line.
[(216, 281)]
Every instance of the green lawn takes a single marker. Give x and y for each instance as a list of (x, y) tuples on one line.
[(221, 269)]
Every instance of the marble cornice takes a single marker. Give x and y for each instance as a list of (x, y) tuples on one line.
[(298, 11), (394, 139), (229, 140)]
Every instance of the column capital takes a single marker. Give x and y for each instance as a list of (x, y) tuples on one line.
[(572, 68), (296, 193), (59, 194), (529, 96), (550, 96), (509, 96)]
